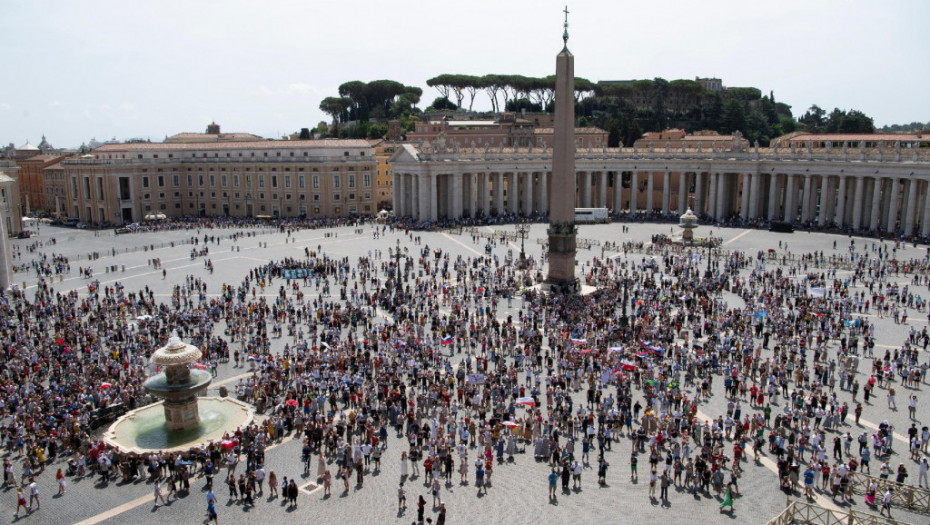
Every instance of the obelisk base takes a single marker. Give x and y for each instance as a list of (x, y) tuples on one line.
[(561, 279)]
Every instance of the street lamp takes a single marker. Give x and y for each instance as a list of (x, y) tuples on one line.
[(399, 287), (522, 230)]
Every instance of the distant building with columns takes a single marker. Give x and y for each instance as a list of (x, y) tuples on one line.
[(857, 186)]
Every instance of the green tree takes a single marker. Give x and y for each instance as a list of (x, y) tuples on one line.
[(734, 117), (335, 107), (442, 103)]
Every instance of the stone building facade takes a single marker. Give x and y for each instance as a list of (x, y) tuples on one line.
[(122, 183), (857, 187)]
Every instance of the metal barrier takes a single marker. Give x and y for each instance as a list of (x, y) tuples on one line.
[(905, 496), (803, 512)]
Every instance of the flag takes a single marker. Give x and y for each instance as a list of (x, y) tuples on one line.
[(627, 365), (252, 358), (585, 351), (445, 341), (400, 344), (577, 341), (615, 349), (199, 366)]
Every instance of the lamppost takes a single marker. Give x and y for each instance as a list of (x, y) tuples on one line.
[(399, 287), (624, 318), (708, 273), (522, 230)]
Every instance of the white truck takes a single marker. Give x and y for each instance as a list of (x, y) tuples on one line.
[(591, 216)]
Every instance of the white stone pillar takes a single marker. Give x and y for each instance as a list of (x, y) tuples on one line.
[(839, 216), (911, 209), (682, 191), (699, 193), (513, 194), (469, 194), (634, 191), (457, 197), (486, 194), (499, 193), (650, 189), (774, 196), (746, 199), (6, 259), (666, 191), (755, 194), (398, 205), (806, 199), (858, 198), (893, 205), (925, 220), (791, 196), (618, 191), (585, 189), (721, 196), (528, 193), (712, 195), (602, 190), (433, 197), (543, 204), (826, 199), (875, 219)]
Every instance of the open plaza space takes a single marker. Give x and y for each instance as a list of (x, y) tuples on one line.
[(451, 276)]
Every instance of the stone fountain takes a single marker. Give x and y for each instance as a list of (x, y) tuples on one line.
[(178, 385), (687, 222), (183, 419)]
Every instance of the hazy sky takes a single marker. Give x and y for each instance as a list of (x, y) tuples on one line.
[(75, 70)]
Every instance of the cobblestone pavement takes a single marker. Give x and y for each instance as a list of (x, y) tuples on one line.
[(519, 490)]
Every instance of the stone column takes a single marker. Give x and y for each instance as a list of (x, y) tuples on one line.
[(499, 193), (699, 193), (650, 189), (893, 205), (618, 191), (911, 209), (806, 202), (486, 194), (543, 205), (721, 196), (469, 193), (397, 190), (874, 222), (826, 199), (666, 191), (925, 220), (6, 259), (746, 200), (682, 191), (512, 194), (858, 198), (839, 216), (634, 191), (602, 190), (584, 200), (457, 196), (754, 195), (774, 196), (528, 193), (433, 197), (791, 195), (712, 196)]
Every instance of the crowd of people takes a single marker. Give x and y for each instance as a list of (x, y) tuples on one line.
[(413, 348)]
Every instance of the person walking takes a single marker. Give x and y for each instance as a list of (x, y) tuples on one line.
[(158, 494), (34, 494), (401, 497), (20, 501), (60, 477), (211, 508), (886, 503), (727, 499)]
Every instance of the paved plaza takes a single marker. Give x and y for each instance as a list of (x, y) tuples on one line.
[(518, 492)]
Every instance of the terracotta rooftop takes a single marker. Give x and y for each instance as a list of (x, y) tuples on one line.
[(550, 131), (261, 144), (853, 137)]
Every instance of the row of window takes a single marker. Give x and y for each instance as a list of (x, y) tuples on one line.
[(301, 180), (261, 196), (228, 155)]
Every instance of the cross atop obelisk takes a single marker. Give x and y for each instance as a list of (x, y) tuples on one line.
[(561, 278)]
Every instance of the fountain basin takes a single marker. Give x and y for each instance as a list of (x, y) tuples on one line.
[(159, 386), (143, 430)]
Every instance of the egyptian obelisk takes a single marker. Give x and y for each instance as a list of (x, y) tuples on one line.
[(562, 229)]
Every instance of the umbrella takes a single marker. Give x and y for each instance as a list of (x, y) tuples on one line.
[(528, 401), (292, 402)]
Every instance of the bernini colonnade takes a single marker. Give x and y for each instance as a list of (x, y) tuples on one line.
[(876, 189)]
